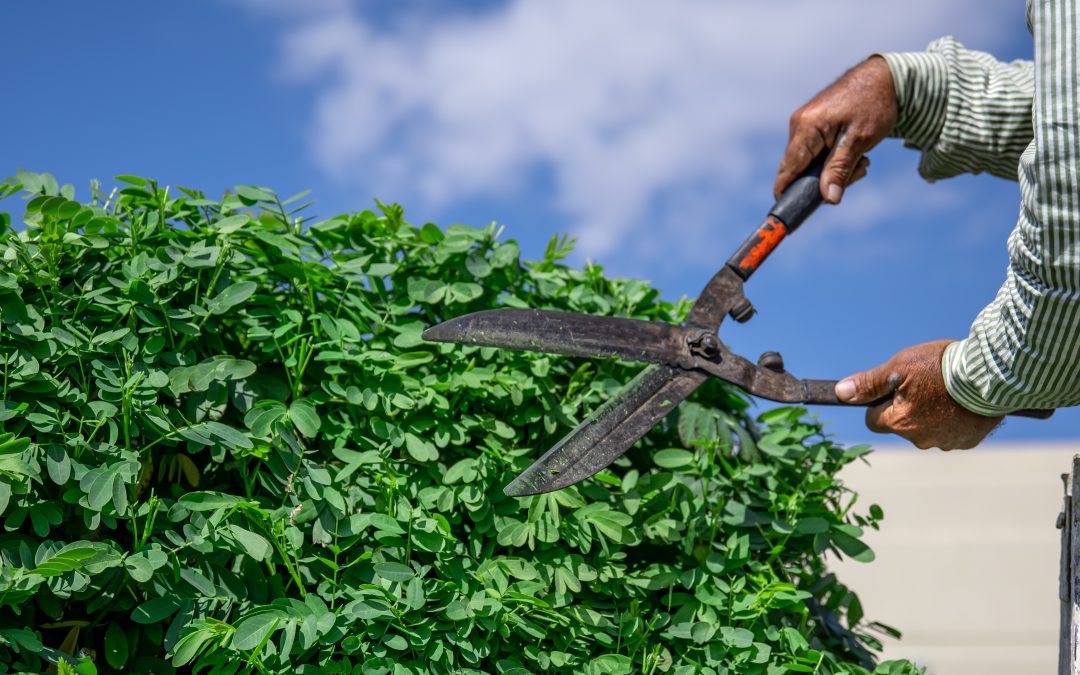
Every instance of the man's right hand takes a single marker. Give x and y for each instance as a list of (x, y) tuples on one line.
[(850, 116)]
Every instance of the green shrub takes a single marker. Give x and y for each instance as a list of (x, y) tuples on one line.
[(225, 448)]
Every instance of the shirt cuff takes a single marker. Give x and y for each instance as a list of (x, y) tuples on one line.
[(921, 80), (959, 381)]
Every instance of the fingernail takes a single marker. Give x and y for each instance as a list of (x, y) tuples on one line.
[(835, 192), (845, 390)]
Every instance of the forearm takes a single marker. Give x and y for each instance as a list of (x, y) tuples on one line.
[(966, 111), (1024, 348)]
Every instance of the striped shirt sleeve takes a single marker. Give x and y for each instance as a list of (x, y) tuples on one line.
[(1023, 350), (966, 111)]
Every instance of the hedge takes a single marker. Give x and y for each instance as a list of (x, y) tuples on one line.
[(226, 448)]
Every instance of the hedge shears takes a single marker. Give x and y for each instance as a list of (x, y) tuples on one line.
[(680, 357)]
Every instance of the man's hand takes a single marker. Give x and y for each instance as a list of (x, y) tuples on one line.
[(851, 116), (920, 409)]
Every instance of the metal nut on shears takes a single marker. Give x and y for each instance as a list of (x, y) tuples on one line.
[(771, 361), (704, 344), (743, 311)]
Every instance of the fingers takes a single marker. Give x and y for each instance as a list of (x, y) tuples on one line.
[(907, 396), (860, 169), (845, 165), (896, 416), (806, 142), (869, 385), (849, 117)]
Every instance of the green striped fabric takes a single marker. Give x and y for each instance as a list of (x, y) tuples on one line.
[(969, 113)]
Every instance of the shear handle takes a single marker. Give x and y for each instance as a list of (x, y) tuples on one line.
[(795, 205)]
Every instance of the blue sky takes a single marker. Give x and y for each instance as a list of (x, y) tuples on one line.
[(649, 131)]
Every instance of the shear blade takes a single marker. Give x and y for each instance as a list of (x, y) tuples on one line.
[(609, 431), (567, 333)]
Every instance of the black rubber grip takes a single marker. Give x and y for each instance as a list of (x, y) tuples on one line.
[(795, 205), (802, 197)]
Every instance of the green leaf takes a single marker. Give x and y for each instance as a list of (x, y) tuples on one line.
[(396, 642), (381, 269), (99, 485), (419, 449), (10, 445), (505, 254), (856, 451), (464, 471), (110, 336), (811, 525), (853, 547), (252, 630), (67, 559), (736, 637), (303, 416), (371, 609), (701, 632), (478, 266), (253, 544), (229, 437), (198, 581), (612, 524), (412, 359), (231, 296), (251, 194), (431, 234), (189, 645), (232, 224), (426, 290), (185, 379), (207, 501), (116, 646), (611, 664), (465, 292), (139, 567), (673, 458), (155, 610), (263, 416), (392, 571), (27, 640), (696, 423), (58, 465)]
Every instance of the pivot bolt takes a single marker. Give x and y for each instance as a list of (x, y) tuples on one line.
[(705, 344), (743, 311), (771, 361)]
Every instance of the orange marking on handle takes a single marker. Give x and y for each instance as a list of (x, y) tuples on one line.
[(771, 233)]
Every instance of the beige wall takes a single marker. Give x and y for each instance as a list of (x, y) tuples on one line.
[(967, 556)]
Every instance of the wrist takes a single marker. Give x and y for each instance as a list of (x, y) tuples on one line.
[(961, 386), (920, 93)]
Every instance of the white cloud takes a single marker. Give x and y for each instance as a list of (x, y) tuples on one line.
[(626, 103)]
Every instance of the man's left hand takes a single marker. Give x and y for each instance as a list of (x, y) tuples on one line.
[(921, 409)]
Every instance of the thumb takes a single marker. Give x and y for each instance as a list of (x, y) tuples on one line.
[(869, 385), (839, 169)]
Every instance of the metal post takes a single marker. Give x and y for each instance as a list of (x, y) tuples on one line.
[(1068, 581), (1064, 524)]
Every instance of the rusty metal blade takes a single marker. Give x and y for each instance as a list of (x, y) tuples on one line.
[(723, 292), (553, 332), (609, 431)]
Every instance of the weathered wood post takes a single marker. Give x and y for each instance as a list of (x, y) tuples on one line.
[(1068, 582)]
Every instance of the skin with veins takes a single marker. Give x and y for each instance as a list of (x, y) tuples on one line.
[(851, 116)]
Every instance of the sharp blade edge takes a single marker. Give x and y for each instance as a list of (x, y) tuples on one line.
[(609, 431), (566, 333)]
